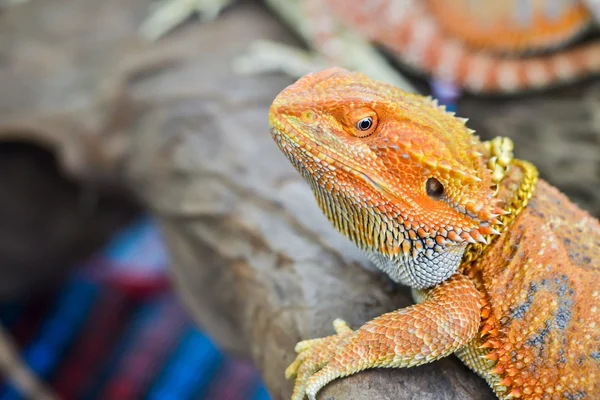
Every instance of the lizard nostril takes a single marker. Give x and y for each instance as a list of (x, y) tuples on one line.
[(309, 116)]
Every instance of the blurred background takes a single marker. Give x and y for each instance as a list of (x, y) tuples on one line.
[(145, 243)]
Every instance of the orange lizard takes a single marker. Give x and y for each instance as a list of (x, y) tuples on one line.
[(505, 270), (482, 46)]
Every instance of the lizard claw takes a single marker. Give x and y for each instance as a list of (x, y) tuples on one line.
[(341, 326), (292, 370), (313, 367), (318, 380)]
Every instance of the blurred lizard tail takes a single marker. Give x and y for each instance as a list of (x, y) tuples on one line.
[(408, 30)]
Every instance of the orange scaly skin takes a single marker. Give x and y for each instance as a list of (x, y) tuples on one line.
[(459, 41), (484, 46), (412, 188), (512, 26)]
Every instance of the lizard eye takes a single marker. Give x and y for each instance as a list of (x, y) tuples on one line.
[(362, 122), (434, 188)]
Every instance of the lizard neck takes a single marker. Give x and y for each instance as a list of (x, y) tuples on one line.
[(515, 189), (515, 181)]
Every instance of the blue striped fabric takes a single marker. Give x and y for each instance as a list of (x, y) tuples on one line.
[(101, 337)]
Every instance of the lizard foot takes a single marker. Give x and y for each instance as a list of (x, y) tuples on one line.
[(265, 56), (446, 320), (167, 14), (315, 366)]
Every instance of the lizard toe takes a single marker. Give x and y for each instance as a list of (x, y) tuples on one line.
[(341, 326), (304, 345), (320, 379)]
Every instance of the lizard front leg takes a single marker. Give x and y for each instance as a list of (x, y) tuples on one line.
[(168, 14), (445, 321), (331, 43)]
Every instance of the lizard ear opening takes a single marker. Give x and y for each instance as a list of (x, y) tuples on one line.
[(434, 188), (362, 122)]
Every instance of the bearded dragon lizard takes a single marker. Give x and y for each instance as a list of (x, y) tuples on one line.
[(505, 270), (489, 46)]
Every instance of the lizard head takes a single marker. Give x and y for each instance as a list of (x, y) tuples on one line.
[(394, 172)]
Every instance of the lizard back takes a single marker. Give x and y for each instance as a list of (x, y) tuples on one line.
[(512, 26), (541, 280), (414, 35)]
